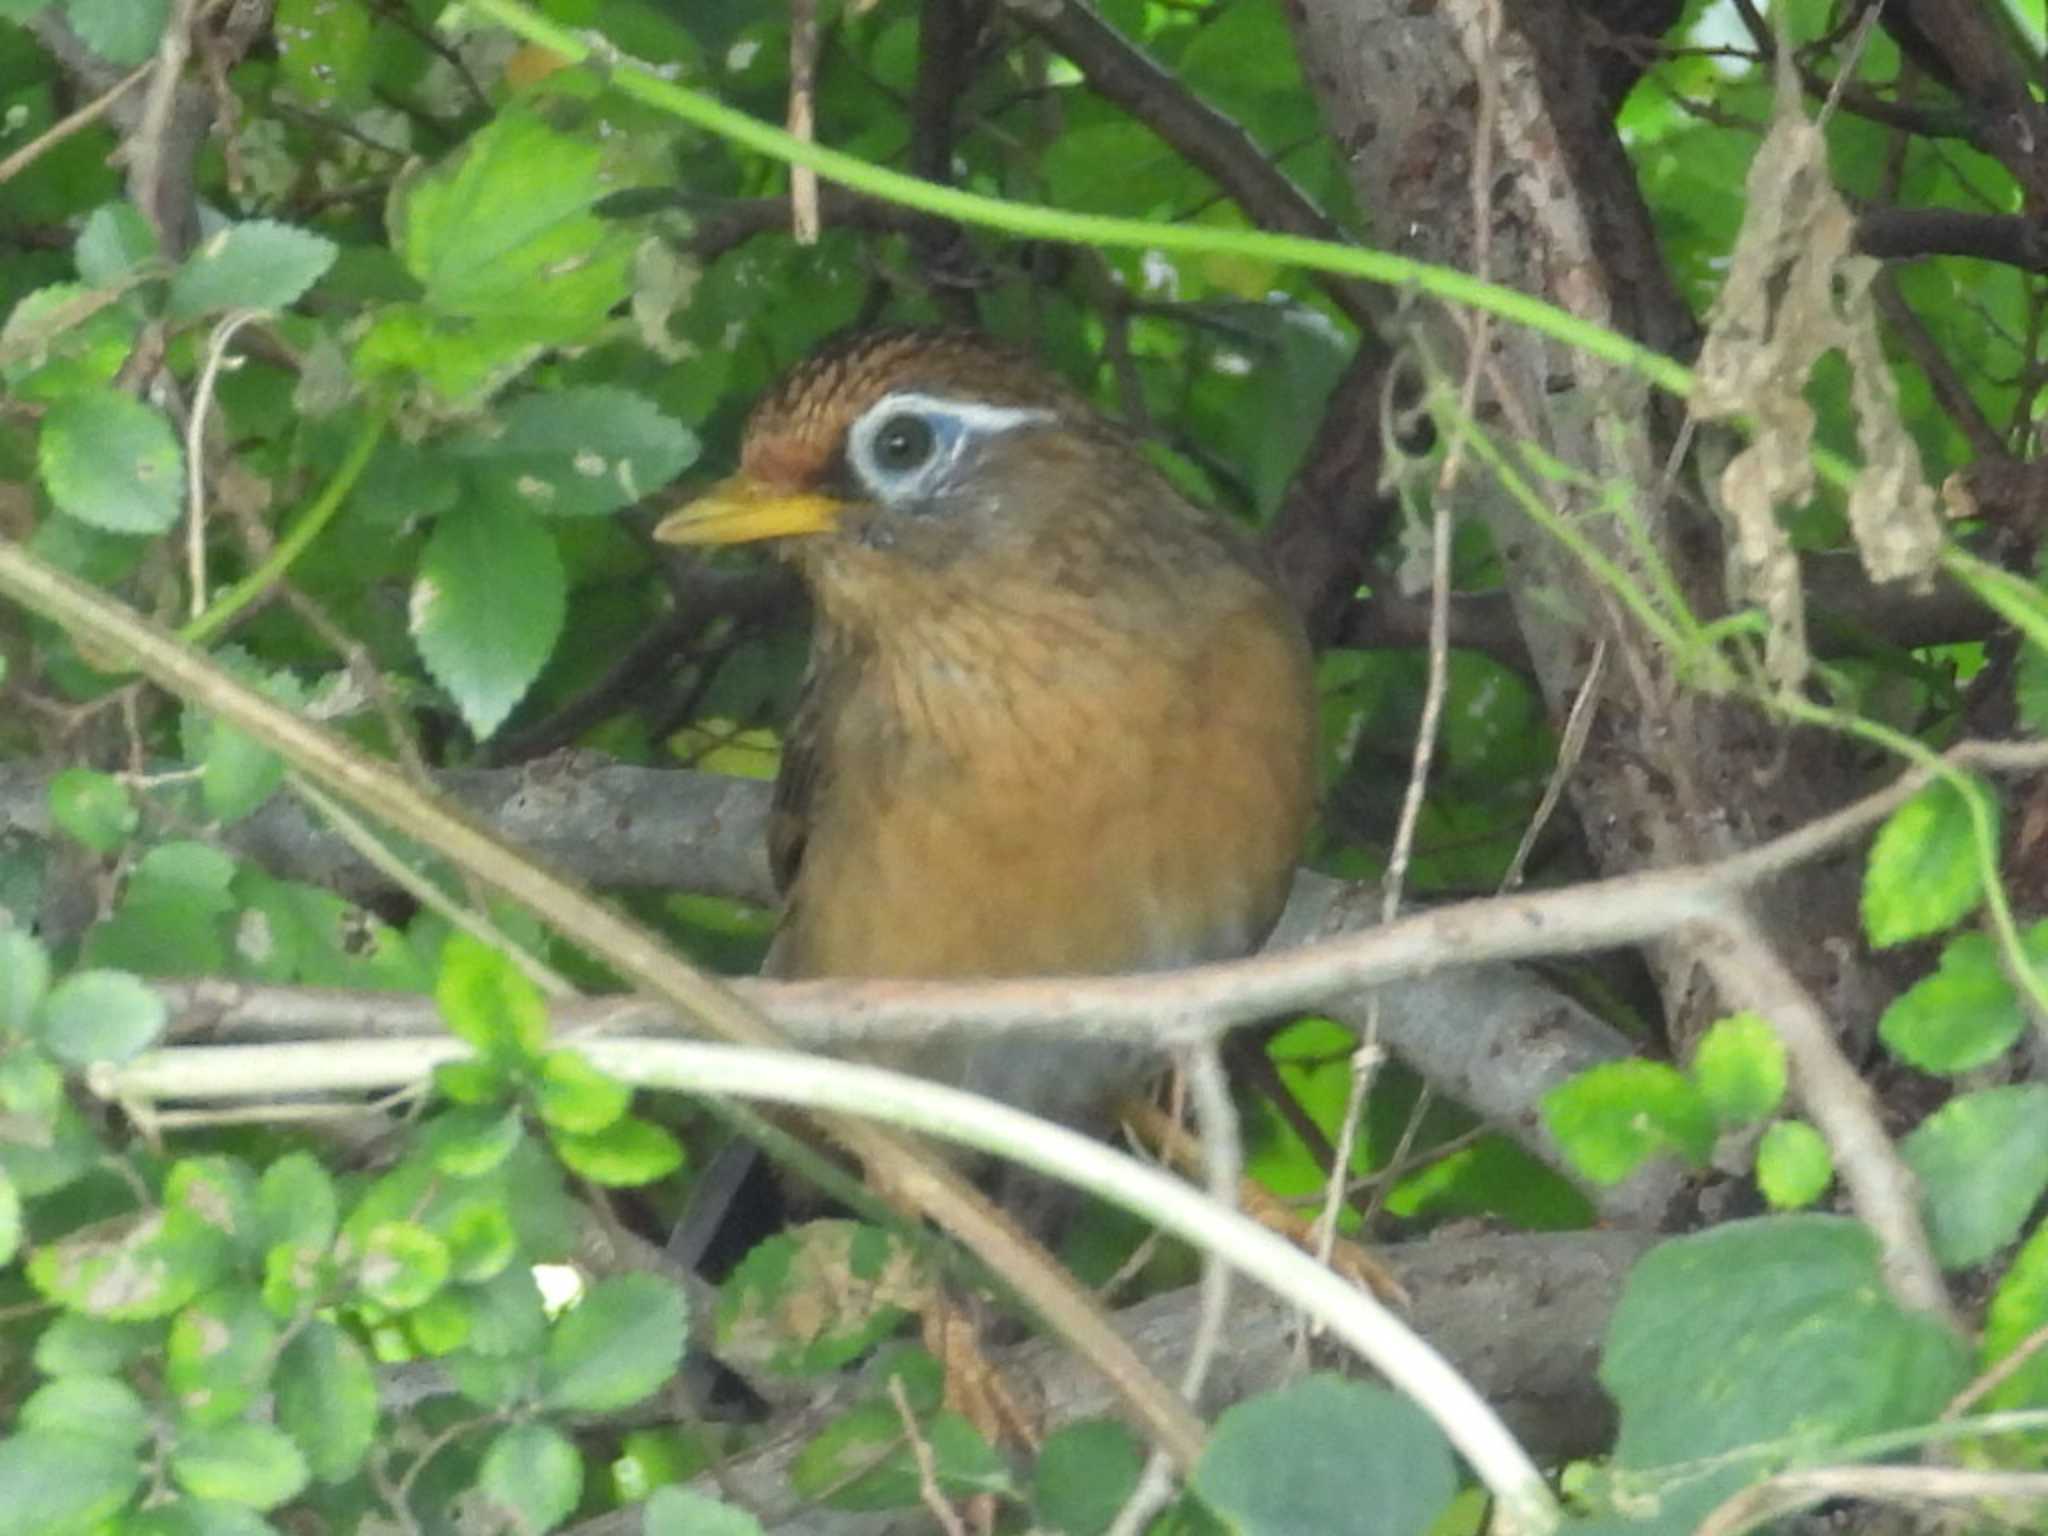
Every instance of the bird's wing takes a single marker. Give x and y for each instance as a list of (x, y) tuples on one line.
[(797, 781)]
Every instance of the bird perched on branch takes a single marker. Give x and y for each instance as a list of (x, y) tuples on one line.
[(1057, 720)]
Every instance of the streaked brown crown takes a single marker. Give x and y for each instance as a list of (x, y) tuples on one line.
[(795, 433)]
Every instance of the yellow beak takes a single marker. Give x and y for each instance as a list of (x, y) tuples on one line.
[(740, 510)]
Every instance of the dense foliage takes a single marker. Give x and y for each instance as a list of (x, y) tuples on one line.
[(357, 347)]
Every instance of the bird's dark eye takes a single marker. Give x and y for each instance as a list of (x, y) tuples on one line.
[(904, 443)]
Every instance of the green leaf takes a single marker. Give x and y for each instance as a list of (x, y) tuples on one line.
[(1788, 1331), (114, 242), (1310, 1457), (470, 1141), (1085, 1472), (93, 1016), (76, 1345), (486, 1001), (1923, 874), (237, 773), (502, 230), (506, 1314), (533, 1477), (129, 1270), (486, 609), (1613, 1118), (295, 1202), (403, 1264), (1739, 1069), (89, 1407), (327, 1400), (860, 1460), (480, 1240), (577, 453), (616, 1346), (55, 1485), (123, 32), (258, 265), (218, 1358), (1982, 1161), (628, 1152), (678, 1511), (1966, 1013), (95, 808), (2019, 1310), (2030, 690), (112, 462), (324, 53), (817, 1297), (1793, 1165), (441, 1324), (24, 978), (572, 1095), (239, 1463)]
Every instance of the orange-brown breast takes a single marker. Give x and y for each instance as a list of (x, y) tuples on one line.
[(1006, 794)]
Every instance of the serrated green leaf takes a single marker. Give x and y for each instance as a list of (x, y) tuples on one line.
[(123, 32), (1982, 1162), (1793, 1165), (112, 462), (1309, 1457), (487, 607), (260, 265), (59, 340), (615, 1346), (485, 1000), (95, 808), (1789, 1331), (93, 1016), (572, 1095), (52, 1485), (237, 774), (402, 1265), (1614, 1117), (131, 1269), (507, 1316), (218, 1357), (1966, 1013), (240, 1463), (1923, 874), (1739, 1068), (327, 1400), (502, 230), (89, 1407), (627, 1153), (24, 979), (115, 241), (533, 1476), (578, 452), (679, 1511)]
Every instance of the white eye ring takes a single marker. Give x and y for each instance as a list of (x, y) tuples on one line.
[(952, 424)]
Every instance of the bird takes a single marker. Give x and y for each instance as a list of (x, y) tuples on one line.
[(1056, 718)]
